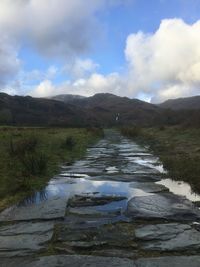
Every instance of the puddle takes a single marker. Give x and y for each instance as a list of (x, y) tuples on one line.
[(180, 188), (85, 186)]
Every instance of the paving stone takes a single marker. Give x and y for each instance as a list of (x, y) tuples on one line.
[(173, 261), (169, 237), (149, 187), (162, 206), (24, 238), (47, 209)]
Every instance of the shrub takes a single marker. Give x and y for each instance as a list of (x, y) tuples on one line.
[(21, 147), (96, 131), (131, 131), (69, 143), (34, 164)]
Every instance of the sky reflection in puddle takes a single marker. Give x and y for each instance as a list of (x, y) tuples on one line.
[(88, 186), (180, 188), (84, 186)]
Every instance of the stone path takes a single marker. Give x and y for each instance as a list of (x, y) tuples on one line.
[(106, 209)]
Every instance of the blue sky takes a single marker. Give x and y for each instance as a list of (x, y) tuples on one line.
[(105, 46)]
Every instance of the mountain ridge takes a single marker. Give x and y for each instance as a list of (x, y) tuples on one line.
[(192, 102), (104, 110)]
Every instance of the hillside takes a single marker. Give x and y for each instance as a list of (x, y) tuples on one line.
[(182, 103), (67, 98), (98, 110), (19, 110), (105, 110)]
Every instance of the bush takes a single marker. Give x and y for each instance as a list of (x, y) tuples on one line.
[(96, 131), (131, 131), (34, 164), (69, 143), (21, 147)]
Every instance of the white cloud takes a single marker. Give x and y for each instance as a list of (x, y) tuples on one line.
[(80, 68), (61, 29), (96, 83), (166, 64), (9, 62), (56, 28)]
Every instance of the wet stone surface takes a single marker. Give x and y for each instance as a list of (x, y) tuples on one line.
[(169, 237), (28, 210), (92, 200), (162, 206), (108, 209), (24, 238)]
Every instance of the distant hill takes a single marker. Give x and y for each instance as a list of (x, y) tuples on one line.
[(19, 110), (105, 110), (182, 103), (99, 110), (67, 97)]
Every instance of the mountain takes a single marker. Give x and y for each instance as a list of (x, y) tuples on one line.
[(105, 110), (67, 98), (182, 103), (99, 110), (19, 110)]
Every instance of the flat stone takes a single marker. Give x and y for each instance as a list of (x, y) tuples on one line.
[(117, 252), (162, 206), (48, 209), (74, 175), (117, 235), (127, 178), (86, 170), (87, 221), (24, 238), (26, 228), (134, 168), (149, 187), (171, 261), (91, 200), (80, 261), (169, 237)]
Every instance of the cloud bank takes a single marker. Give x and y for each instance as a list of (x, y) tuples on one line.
[(160, 65), (57, 28), (165, 64), (95, 83)]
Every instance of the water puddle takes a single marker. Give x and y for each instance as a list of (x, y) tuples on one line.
[(180, 188)]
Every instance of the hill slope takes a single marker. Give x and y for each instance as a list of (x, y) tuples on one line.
[(19, 110), (67, 98), (182, 103), (105, 110), (98, 110)]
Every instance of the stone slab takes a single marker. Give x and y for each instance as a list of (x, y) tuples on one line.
[(162, 206), (48, 209)]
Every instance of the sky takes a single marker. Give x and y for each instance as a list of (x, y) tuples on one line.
[(146, 49)]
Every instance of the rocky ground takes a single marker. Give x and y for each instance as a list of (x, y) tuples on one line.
[(105, 210)]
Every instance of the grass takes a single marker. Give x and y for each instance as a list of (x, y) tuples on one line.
[(29, 157), (178, 148)]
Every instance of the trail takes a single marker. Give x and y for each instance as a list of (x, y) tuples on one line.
[(107, 209)]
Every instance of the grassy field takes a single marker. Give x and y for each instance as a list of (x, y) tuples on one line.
[(178, 148), (29, 157)]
